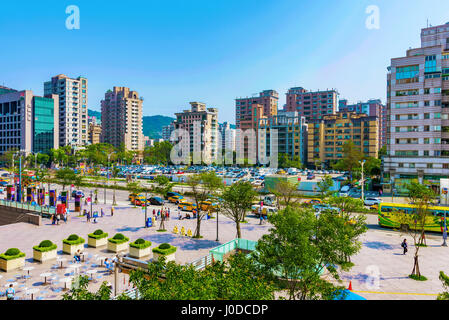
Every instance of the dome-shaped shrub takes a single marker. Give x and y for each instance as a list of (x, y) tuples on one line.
[(119, 236), (45, 244), (12, 252), (164, 246), (139, 241), (98, 232), (73, 237)]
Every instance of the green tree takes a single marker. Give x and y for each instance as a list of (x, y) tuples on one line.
[(414, 223), (67, 177), (203, 186), (285, 191), (79, 291), (445, 281), (237, 200), (238, 278), (351, 157), (347, 204), (324, 187), (301, 247), (159, 153), (163, 185)]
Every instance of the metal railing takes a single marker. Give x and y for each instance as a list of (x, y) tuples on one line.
[(27, 206)]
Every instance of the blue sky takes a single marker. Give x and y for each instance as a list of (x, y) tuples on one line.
[(174, 52)]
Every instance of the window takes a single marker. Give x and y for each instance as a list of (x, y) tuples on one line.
[(437, 116), (431, 64), (429, 166), (426, 91), (426, 115), (426, 103)]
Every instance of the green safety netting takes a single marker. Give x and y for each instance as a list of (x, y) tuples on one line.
[(243, 244)]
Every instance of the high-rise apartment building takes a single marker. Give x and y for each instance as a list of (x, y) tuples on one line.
[(313, 105), (201, 124), (122, 119), (167, 131), (73, 125), (268, 99), (27, 122), (327, 136), (94, 133), (291, 134), (372, 108), (227, 136), (418, 113)]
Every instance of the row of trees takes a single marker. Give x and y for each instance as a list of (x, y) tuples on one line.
[(300, 258)]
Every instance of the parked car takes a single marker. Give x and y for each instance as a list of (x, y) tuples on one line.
[(157, 201), (372, 201)]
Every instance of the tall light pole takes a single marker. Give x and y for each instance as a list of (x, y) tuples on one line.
[(217, 226), (12, 173), (445, 191), (145, 203), (363, 180)]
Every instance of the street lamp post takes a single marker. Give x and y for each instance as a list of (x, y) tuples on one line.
[(445, 191), (91, 200), (145, 208), (363, 180), (20, 177), (217, 226), (114, 203)]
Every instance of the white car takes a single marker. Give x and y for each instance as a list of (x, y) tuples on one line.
[(372, 201)]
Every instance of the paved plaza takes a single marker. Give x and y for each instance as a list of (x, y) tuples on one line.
[(380, 271)]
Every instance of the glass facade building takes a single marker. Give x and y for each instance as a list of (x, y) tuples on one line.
[(43, 124)]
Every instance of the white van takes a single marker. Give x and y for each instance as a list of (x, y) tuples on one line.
[(344, 191)]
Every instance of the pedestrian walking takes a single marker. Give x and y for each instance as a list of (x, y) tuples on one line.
[(102, 213), (10, 292), (57, 219), (112, 211), (88, 216), (404, 246)]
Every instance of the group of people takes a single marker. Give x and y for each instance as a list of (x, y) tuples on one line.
[(163, 213), (89, 216), (56, 217)]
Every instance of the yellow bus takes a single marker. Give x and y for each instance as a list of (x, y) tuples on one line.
[(389, 216)]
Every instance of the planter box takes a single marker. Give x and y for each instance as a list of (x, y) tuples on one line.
[(71, 249), (168, 257), (44, 256), (117, 247), (14, 264), (95, 243), (139, 253)]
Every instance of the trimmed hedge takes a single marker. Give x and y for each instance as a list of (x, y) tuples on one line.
[(118, 239), (45, 246), (73, 239), (11, 254), (98, 234), (140, 244), (164, 250)]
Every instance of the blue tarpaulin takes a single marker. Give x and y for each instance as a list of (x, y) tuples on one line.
[(348, 295)]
